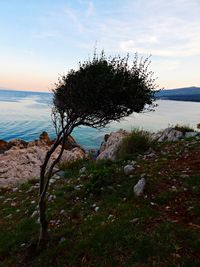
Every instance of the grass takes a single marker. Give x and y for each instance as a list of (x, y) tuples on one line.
[(96, 220), (135, 143)]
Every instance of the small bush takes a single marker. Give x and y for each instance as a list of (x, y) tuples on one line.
[(136, 142), (183, 128)]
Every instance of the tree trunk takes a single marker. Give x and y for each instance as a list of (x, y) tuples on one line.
[(45, 177), (43, 238)]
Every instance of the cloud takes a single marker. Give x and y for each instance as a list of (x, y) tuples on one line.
[(74, 18), (90, 10), (168, 37), (158, 27)]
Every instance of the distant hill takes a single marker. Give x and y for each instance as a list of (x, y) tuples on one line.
[(181, 94)]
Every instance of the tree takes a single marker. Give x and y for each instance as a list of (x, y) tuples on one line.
[(100, 91)]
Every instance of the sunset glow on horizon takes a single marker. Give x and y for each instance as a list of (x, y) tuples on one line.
[(44, 39)]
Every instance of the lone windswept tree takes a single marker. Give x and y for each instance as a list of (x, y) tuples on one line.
[(103, 89)]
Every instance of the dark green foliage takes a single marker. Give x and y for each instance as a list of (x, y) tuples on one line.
[(104, 89), (136, 142)]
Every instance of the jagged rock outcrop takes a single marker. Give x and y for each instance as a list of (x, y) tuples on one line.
[(171, 134), (21, 163), (110, 145), (3, 146)]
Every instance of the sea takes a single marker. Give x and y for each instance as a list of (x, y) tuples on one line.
[(25, 115)]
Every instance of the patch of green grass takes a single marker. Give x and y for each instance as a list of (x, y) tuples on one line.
[(135, 143), (124, 230), (165, 197), (23, 232), (194, 183)]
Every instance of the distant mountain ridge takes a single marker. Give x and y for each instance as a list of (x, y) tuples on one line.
[(180, 94)]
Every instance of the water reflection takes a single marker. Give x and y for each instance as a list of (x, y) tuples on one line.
[(25, 115)]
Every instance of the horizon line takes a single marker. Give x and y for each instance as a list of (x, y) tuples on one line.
[(48, 92)]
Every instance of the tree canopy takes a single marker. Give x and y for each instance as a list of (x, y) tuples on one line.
[(104, 89)]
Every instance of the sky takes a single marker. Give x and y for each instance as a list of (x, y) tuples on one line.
[(43, 39)]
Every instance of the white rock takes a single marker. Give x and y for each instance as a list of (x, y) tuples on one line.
[(62, 211), (34, 214), (169, 134), (110, 217), (139, 187), (134, 220), (128, 169), (109, 148), (96, 209), (82, 170), (15, 189), (19, 165)]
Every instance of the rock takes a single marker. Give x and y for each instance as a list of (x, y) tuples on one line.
[(3, 146), (109, 147), (103, 144), (70, 143), (134, 220), (92, 153), (96, 209), (15, 189), (9, 216), (61, 173), (34, 214), (110, 216), (45, 137), (198, 125), (73, 155), (18, 165), (51, 197), (17, 143), (169, 134), (128, 169), (139, 187), (62, 211), (191, 134), (82, 170)]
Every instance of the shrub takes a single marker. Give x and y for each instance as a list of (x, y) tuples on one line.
[(136, 142), (183, 128)]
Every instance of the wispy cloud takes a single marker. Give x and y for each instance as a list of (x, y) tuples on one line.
[(90, 10), (74, 18)]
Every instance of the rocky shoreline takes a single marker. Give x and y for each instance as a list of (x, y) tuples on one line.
[(20, 161)]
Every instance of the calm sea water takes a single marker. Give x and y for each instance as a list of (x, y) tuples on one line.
[(25, 115)]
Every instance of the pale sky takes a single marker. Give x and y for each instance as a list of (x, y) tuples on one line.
[(42, 39)]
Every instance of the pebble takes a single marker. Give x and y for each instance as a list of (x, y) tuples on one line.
[(110, 216), (15, 189), (96, 209), (34, 214), (82, 170), (134, 220)]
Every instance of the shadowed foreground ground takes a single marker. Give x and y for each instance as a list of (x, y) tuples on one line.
[(96, 220)]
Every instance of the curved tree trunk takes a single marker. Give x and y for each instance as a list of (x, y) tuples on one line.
[(45, 177)]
